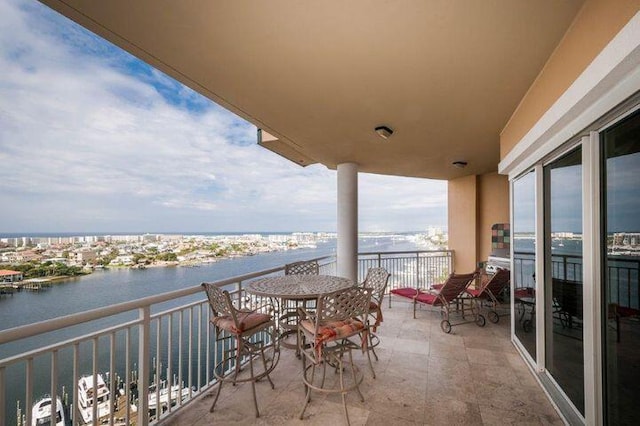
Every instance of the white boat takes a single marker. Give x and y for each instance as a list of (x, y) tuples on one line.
[(88, 395), (41, 413), (175, 392)]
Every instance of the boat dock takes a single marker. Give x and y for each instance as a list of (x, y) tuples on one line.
[(7, 289), (29, 285)]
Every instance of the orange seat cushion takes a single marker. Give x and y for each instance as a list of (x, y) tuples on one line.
[(334, 330), (246, 321)]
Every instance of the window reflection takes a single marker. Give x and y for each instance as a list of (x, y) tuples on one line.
[(564, 357), (524, 260), (621, 296)]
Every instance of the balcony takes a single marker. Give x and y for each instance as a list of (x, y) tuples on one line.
[(472, 376)]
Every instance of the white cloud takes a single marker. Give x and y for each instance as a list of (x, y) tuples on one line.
[(89, 142)]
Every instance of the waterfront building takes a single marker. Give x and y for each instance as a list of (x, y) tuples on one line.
[(86, 256), (9, 276), (529, 110)]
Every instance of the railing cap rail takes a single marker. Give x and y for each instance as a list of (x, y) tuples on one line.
[(30, 330)]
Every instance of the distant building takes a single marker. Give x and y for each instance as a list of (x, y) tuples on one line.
[(8, 276), (122, 260), (86, 256)]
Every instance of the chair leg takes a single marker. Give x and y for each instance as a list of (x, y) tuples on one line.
[(307, 397), (264, 363), (355, 377), (215, 400), (369, 350), (239, 352), (253, 387), (371, 347), (343, 394), (324, 372)]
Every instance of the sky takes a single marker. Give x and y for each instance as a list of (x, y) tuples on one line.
[(94, 140)]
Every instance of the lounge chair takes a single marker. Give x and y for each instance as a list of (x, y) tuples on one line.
[(443, 296), (488, 292)]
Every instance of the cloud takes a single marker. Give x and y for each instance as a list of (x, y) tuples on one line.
[(93, 139)]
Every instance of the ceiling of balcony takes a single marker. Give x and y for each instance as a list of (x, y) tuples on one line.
[(320, 76)]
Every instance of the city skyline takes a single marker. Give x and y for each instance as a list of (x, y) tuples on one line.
[(94, 140)]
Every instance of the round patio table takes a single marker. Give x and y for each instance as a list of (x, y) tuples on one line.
[(298, 289), (298, 286)]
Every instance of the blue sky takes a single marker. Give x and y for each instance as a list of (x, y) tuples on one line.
[(92, 139)]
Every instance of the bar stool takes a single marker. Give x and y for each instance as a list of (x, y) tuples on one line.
[(243, 336), (289, 307), (327, 336), (376, 280)]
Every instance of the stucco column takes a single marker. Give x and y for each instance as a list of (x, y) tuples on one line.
[(347, 258)]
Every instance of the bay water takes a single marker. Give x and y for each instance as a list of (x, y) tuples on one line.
[(112, 286)]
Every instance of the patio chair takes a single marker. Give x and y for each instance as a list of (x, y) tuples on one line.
[(376, 280), (488, 292), (302, 268), (327, 337), (446, 294), (243, 336), (288, 311)]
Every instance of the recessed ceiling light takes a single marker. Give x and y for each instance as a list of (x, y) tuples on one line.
[(460, 164), (384, 132)]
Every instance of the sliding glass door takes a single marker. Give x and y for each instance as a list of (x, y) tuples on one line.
[(563, 281), (620, 146), (524, 260)]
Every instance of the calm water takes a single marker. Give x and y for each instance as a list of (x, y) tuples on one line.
[(108, 287)]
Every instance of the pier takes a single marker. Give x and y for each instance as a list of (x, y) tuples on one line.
[(7, 289)]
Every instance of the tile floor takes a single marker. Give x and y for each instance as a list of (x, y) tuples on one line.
[(473, 376)]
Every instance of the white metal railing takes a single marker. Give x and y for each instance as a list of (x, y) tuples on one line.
[(145, 353), (409, 269)]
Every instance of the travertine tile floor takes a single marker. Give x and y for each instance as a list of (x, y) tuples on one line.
[(473, 376)]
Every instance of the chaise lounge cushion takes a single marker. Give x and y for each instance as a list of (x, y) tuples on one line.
[(407, 292), (417, 295)]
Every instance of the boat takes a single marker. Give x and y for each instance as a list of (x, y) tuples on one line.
[(175, 391), (88, 395), (41, 413)]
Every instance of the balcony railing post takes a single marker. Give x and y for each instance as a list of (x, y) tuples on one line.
[(2, 405), (29, 391), (417, 270), (144, 337), (54, 385), (76, 375)]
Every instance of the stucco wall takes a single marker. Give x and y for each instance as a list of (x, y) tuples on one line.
[(475, 203), (493, 207), (595, 25)]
